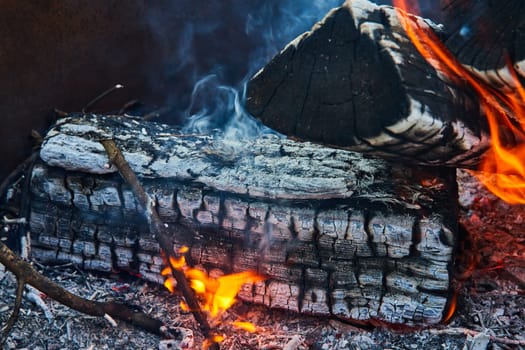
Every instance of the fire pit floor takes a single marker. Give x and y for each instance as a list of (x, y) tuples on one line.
[(489, 302)]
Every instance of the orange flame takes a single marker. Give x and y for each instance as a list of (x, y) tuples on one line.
[(177, 263), (215, 339), (247, 326), (502, 169), (451, 309), (184, 306), (219, 293), (216, 294), (170, 284)]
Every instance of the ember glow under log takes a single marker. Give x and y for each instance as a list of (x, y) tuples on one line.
[(334, 232)]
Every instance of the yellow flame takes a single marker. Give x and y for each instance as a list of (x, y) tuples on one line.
[(228, 287), (218, 338), (178, 263), (217, 294), (170, 284), (198, 286), (247, 326), (451, 309), (502, 169), (184, 306), (215, 339)]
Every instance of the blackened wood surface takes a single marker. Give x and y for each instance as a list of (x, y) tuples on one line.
[(336, 233), (486, 36), (356, 81)]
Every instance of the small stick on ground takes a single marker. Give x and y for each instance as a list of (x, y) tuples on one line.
[(33, 295), (26, 274), (162, 235), (18, 303), (471, 332)]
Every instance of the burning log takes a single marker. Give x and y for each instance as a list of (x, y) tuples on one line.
[(356, 81), (500, 91), (162, 235), (487, 36), (334, 232)]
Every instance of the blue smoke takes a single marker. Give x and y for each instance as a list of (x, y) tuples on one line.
[(280, 22), (220, 47), (217, 104)]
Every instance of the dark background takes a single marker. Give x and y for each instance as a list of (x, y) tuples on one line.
[(61, 54)]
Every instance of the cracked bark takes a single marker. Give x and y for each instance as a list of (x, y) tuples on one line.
[(336, 233), (163, 237)]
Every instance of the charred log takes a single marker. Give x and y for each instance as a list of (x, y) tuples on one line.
[(355, 81), (336, 233), (163, 237), (486, 36)]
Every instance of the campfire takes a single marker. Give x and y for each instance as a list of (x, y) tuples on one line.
[(346, 210), (218, 294), (502, 169)]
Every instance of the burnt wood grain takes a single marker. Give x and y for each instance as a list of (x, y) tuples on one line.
[(335, 233), (356, 81), (487, 37)]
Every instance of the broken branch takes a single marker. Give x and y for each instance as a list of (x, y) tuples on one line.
[(101, 96), (472, 333), (26, 274), (158, 228)]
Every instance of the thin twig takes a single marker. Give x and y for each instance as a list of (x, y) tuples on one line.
[(155, 114), (25, 273), (16, 177), (110, 320), (16, 309), (34, 295), (8, 221), (101, 96), (38, 139), (126, 106), (17, 173), (471, 332), (162, 235), (60, 113)]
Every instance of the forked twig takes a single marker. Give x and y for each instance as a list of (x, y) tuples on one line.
[(162, 235), (26, 274)]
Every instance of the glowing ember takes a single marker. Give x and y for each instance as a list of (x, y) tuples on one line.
[(184, 306), (453, 303), (247, 326), (216, 339), (216, 294), (502, 170)]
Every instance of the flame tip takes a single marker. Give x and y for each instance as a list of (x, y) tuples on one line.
[(244, 325), (504, 110)]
